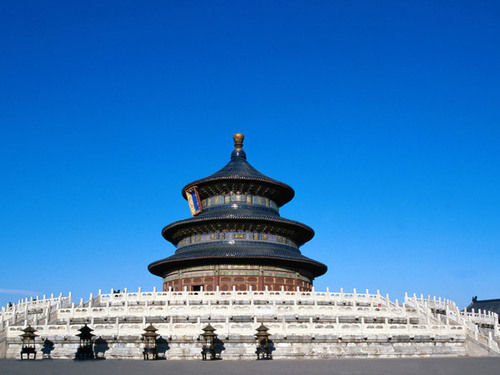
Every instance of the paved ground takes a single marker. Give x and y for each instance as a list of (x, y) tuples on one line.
[(432, 366)]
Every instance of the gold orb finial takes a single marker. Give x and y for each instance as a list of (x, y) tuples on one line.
[(238, 141)]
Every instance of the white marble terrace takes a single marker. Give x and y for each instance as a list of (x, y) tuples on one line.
[(315, 315)]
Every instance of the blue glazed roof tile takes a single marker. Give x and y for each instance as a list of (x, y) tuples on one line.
[(238, 176)]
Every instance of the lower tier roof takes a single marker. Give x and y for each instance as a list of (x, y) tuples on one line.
[(221, 253)]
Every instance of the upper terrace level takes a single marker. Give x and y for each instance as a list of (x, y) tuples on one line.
[(314, 304)]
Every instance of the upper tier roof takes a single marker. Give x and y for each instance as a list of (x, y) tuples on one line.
[(239, 175)]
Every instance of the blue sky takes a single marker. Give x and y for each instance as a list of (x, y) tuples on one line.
[(383, 116)]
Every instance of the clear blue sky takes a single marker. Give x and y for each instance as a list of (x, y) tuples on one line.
[(383, 116)]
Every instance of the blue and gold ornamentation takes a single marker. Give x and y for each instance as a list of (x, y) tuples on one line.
[(238, 236), (241, 199), (194, 201)]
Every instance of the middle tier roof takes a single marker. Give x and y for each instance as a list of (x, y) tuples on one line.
[(297, 232)]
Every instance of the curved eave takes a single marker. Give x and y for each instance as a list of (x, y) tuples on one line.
[(280, 192), (299, 233), (163, 266)]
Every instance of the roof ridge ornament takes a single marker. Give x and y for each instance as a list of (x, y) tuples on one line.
[(238, 140), (238, 146)]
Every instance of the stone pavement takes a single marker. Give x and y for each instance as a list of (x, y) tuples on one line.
[(438, 366)]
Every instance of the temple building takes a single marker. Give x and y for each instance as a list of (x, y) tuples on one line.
[(491, 305), (236, 238), (238, 276)]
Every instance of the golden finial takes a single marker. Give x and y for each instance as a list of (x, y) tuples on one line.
[(238, 141)]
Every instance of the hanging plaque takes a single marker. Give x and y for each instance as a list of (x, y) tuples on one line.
[(194, 201)]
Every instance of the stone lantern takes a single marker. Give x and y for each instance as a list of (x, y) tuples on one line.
[(150, 349), (85, 350), (209, 337), (265, 346), (28, 339)]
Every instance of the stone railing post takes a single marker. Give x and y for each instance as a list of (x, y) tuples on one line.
[(495, 325), (284, 330), (171, 325)]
